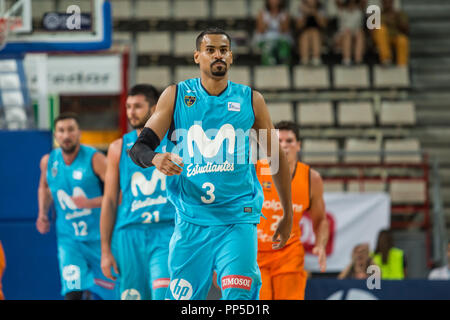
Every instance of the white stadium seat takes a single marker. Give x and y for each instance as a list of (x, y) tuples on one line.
[(355, 114), (229, 9), (333, 186), (366, 186), (351, 77), (397, 113), (154, 42), (311, 77), (315, 114), (280, 111), (44, 6), (195, 9), (271, 77), (391, 77), (402, 145), (240, 74), (159, 76), (359, 147), (408, 191), (121, 9), (155, 9), (185, 43), (328, 147), (186, 72)]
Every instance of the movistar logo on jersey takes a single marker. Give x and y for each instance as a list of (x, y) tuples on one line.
[(66, 203), (140, 186), (209, 147)]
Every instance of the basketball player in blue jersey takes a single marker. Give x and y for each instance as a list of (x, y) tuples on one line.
[(218, 198), (136, 232), (72, 178)]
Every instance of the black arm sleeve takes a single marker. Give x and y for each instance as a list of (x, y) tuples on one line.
[(143, 150)]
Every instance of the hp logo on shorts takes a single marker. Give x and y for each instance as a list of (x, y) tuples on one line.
[(181, 289)]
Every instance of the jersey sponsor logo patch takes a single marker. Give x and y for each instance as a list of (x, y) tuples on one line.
[(72, 276), (147, 187), (210, 147), (130, 294), (189, 100), (236, 281), (234, 106), (266, 184), (181, 289), (276, 206), (104, 284), (161, 283), (248, 209), (66, 203), (77, 175)]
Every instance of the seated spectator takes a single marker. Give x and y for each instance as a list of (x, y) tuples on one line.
[(272, 33), (361, 260), (393, 32), (311, 21), (442, 273), (391, 260), (350, 36)]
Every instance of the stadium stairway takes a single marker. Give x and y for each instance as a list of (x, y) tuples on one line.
[(430, 70)]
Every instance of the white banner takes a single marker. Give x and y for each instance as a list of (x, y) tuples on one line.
[(354, 218)]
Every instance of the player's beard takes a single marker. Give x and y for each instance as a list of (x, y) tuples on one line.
[(220, 73), (141, 123), (69, 150)]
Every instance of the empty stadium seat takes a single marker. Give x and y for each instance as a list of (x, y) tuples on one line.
[(255, 7), (397, 113), (194, 9), (402, 145), (366, 186), (121, 9), (186, 72), (271, 77), (407, 191), (233, 9), (185, 43), (360, 147), (311, 77), (355, 113), (62, 5), (155, 9), (15, 118), (159, 76), (153, 42), (391, 77), (351, 77), (44, 6), (280, 111), (315, 114), (333, 186), (122, 36), (311, 146), (240, 74)]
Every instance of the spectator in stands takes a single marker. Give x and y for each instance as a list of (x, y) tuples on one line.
[(393, 32), (442, 273), (272, 33), (311, 21), (361, 260), (2, 269), (350, 36), (391, 260)]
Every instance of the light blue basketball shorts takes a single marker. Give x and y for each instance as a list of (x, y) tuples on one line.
[(79, 266), (141, 253), (230, 250)]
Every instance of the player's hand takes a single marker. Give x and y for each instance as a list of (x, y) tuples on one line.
[(168, 163), (320, 252), (283, 232), (81, 202), (43, 224), (107, 263)]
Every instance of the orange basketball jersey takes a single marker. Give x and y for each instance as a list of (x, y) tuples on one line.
[(272, 209)]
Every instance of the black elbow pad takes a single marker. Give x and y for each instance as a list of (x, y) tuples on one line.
[(143, 150)]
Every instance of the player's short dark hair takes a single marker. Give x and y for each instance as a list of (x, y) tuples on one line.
[(67, 115), (290, 126), (150, 93), (213, 30)]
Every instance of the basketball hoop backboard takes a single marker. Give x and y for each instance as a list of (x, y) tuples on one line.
[(64, 25)]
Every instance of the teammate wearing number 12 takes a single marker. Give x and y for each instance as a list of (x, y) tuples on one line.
[(218, 198), (137, 220), (72, 178)]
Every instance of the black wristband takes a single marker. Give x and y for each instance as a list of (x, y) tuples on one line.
[(143, 150)]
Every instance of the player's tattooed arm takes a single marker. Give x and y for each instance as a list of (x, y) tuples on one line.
[(281, 177), (44, 198), (109, 208), (143, 151)]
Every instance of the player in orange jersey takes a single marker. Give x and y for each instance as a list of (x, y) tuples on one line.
[(282, 273)]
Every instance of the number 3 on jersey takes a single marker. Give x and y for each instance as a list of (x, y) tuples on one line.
[(209, 192)]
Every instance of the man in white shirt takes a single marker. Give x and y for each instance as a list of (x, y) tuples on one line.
[(442, 273)]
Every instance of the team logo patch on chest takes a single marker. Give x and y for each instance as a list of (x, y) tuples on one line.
[(266, 184), (189, 100)]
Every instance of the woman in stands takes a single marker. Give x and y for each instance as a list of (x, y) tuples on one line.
[(272, 33)]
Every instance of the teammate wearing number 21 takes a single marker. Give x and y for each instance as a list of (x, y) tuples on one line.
[(218, 198), (137, 220), (72, 178)]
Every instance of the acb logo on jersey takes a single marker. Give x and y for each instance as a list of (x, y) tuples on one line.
[(189, 100)]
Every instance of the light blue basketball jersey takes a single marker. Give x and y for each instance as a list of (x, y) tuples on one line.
[(218, 184), (144, 194), (67, 181)]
